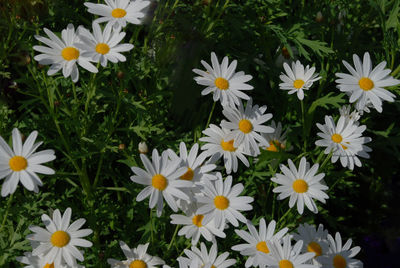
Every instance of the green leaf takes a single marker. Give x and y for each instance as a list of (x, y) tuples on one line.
[(318, 47), (393, 17), (327, 100)]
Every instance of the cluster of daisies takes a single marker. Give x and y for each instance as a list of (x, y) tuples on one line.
[(83, 47), (192, 182)]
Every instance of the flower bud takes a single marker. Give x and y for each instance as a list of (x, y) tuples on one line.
[(143, 147), (319, 17), (121, 146)]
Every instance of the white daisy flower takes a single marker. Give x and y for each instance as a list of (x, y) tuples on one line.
[(314, 240), (103, 46), (58, 243), (222, 202), (276, 141), (194, 226), (345, 111), (286, 256), (366, 85), (37, 261), (256, 241), (162, 180), (136, 258), (201, 258), (118, 12), (62, 53), (345, 140), (223, 82), (298, 79), (247, 125), (196, 168), (340, 256), (218, 145), (22, 163), (302, 185)]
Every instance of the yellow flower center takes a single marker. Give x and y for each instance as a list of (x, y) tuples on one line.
[(49, 265), (188, 176), (245, 126), (118, 13), (159, 182), (300, 186), (18, 163), (285, 264), (102, 48), (137, 264), (228, 146), (366, 83), (339, 262), (273, 146), (262, 246), (298, 83), (60, 239), (70, 53), (221, 83), (336, 138), (221, 202), (314, 247), (197, 220)]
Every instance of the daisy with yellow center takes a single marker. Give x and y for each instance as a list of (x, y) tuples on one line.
[(283, 255), (314, 240), (276, 141), (256, 242), (204, 258), (39, 262), (364, 85), (219, 143), (63, 53), (21, 163), (103, 46), (221, 202), (247, 126), (57, 243), (344, 140), (339, 255), (161, 178), (301, 185), (222, 81), (118, 12), (297, 79), (136, 258), (194, 227)]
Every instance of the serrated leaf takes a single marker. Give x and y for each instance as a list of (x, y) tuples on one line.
[(393, 20), (327, 100)]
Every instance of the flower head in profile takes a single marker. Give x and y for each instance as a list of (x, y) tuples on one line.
[(223, 82), (59, 241), (297, 79), (256, 245), (302, 185), (276, 141), (161, 178), (340, 256), (118, 12), (247, 126), (344, 140), (22, 163), (103, 46), (366, 85), (63, 53), (136, 258)]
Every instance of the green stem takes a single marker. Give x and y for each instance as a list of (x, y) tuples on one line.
[(396, 71), (211, 113), (328, 157), (6, 214), (304, 127), (151, 226), (173, 237), (284, 215)]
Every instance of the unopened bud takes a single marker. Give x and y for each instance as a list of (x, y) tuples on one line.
[(143, 147), (319, 17), (125, 91), (120, 74), (121, 146), (285, 53)]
